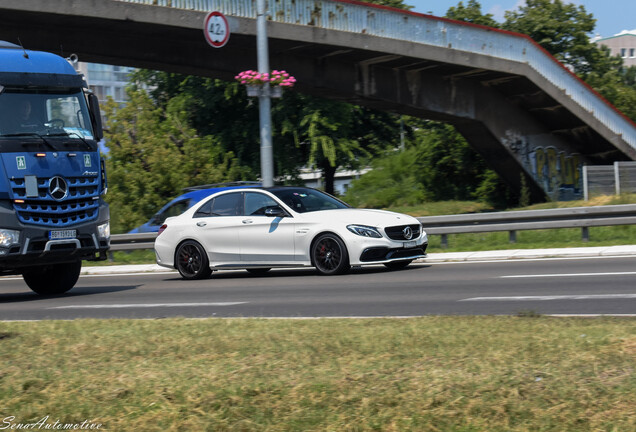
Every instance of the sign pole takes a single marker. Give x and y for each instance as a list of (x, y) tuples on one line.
[(264, 101)]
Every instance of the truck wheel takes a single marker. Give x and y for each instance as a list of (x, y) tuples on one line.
[(52, 279)]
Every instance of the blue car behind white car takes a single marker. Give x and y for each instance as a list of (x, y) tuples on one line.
[(183, 202)]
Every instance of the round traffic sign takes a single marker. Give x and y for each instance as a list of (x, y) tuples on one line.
[(216, 29)]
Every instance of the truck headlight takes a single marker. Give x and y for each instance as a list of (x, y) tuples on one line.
[(9, 237), (364, 231), (104, 230)]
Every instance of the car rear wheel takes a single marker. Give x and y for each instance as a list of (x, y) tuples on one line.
[(329, 255), (397, 265), (192, 261)]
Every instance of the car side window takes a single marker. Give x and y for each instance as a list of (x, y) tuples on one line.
[(174, 210), (205, 210), (224, 205), (256, 204)]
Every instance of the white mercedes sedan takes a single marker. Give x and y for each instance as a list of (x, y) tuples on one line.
[(258, 229)]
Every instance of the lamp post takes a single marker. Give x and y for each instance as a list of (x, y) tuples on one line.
[(264, 102)]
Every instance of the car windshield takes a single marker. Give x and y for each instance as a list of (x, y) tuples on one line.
[(304, 200), (44, 112)]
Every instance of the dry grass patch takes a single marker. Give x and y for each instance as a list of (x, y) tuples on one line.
[(423, 374)]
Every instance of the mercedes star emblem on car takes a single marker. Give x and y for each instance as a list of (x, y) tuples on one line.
[(408, 233)]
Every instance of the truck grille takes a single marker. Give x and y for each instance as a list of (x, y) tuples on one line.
[(397, 232), (79, 205)]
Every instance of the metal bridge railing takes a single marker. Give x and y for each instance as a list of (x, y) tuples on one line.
[(424, 29)]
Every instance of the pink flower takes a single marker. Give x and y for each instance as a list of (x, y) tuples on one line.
[(275, 78)]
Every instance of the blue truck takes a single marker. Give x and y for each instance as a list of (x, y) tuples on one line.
[(52, 178)]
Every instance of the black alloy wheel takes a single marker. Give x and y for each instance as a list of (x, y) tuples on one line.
[(329, 255), (192, 261)]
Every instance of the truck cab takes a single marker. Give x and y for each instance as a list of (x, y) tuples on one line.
[(52, 178)]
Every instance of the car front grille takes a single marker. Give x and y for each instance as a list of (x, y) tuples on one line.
[(80, 205), (398, 232)]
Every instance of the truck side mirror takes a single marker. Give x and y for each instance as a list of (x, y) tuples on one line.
[(93, 105)]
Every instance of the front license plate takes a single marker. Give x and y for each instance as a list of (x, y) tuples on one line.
[(410, 244), (62, 234)]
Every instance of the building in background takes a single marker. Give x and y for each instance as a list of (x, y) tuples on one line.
[(622, 44), (342, 180), (106, 80)]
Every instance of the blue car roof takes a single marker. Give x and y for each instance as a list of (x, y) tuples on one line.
[(198, 195), (194, 197)]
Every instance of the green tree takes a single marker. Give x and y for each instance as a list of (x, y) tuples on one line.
[(399, 4), (392, 181), (449, 167), (561, 28), (438, 165), (154, 153), (471, 13), (306, 130)]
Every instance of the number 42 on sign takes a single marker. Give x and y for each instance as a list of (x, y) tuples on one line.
[(216, 29)]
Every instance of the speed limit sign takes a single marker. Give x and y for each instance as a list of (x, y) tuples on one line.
[(216, 29)]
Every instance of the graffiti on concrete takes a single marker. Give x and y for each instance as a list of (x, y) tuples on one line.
[(556, 171)]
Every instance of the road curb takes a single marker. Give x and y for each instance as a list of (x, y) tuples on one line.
[(600, 251)]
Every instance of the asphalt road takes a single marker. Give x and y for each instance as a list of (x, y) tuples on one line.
[(546, 286)]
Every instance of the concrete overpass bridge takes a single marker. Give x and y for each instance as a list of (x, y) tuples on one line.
[(514, 103)]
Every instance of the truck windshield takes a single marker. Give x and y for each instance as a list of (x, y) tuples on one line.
[(45, 113)]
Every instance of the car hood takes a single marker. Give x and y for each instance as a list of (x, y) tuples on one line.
[(369, 217)]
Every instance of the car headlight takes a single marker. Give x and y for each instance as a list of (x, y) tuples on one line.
[(9, 237), (104, 230), (364, 231)]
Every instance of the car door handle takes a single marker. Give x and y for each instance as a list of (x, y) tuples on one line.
[(201, 224), (247, 221)]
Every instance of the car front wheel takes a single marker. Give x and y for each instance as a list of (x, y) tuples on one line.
[(192, 261), (329, 255)]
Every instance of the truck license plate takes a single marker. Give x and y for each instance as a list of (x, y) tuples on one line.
[(410, 244), (62, 234)]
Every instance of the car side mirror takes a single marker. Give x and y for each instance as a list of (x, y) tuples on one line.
[(275, 212)]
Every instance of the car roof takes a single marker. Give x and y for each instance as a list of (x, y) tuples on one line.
[(196, 195)]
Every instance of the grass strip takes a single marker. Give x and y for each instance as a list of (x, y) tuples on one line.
[(421, 374)]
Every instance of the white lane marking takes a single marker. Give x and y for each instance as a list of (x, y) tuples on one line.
[(555, 297), (145, 305), (568, 275)]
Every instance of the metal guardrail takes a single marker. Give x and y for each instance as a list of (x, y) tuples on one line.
[(126, 242), (513, 221), (424, 29)]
